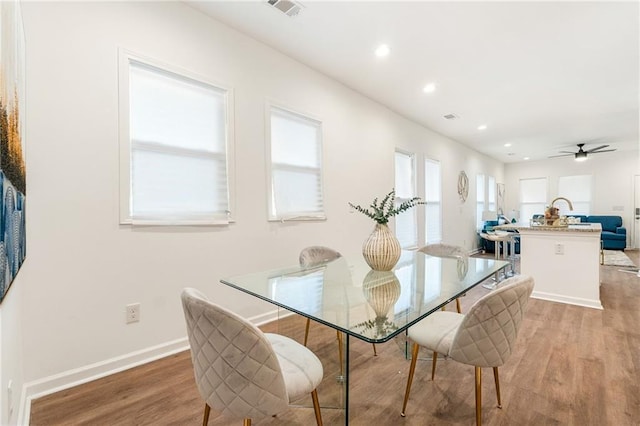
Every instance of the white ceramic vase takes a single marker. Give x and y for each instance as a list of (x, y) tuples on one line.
[(381, 250)]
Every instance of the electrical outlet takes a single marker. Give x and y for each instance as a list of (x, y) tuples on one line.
[(132, 313)]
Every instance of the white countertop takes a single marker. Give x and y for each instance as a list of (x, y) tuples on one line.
[(581, 227)]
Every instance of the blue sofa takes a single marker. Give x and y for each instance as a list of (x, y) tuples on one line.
[(614, 235)]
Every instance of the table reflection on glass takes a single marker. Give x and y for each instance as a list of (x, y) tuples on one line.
[(374, 306)]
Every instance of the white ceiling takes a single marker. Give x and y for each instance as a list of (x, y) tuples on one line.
[(542, 76)]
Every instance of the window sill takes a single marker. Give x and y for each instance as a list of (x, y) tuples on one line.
[(301, 218)]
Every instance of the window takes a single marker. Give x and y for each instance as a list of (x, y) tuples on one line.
[(491, 194), (406, 222), (578, 190), (296, 166), (533, 197), (479, 201), (174, 147), (433, 198)]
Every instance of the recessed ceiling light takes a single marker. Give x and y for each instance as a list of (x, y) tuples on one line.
[(507, 145), (382, 51), (429, 88), (525, 158), (482, 127)]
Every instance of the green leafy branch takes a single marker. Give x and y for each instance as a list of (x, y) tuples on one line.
[(381, 212)]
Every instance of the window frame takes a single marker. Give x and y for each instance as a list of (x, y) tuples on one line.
[(574, 200), (303, 217), (399, 200), (491, 196), (531, 203), (428, 201), (480, 191), (125, 57)]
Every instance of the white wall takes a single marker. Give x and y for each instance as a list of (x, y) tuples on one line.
[(63, 321), (613, 181)]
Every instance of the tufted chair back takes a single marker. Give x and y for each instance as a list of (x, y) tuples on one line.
[(314, 255), (236, 369), (488, 331)]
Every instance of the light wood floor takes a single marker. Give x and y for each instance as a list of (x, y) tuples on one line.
[(571, 366)]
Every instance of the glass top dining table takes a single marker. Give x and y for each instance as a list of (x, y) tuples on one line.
[(374, 306), (346, 294)]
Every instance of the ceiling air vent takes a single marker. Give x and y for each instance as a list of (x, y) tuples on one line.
[(288, 7), (451, 117)]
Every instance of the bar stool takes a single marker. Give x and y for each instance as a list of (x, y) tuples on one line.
[(513, 239), (497, 239)]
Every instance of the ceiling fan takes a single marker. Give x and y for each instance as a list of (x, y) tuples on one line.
[(581, 155)]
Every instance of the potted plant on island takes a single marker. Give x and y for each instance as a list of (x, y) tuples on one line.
[(382, 249)]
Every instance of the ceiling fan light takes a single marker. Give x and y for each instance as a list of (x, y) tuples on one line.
[(581, 156)]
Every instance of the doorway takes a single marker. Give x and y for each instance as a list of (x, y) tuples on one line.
[(636, 212)]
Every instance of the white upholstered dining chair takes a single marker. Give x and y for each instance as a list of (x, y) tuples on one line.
[(446, 250), (312, 256), (484, 337), (242, 372)]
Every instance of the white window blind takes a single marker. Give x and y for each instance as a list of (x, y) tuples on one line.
[(176, 148), (578, 190), (479, 200), (296, 167), (491, 193), (433, 198), (406, 222), (533, 197)]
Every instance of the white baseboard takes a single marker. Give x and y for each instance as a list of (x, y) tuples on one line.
[(68, 379), (587, 303)]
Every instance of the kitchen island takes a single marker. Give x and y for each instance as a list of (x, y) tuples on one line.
[(563, 261)]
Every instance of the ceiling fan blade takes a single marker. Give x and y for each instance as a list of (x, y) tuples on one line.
[(604, 150), (562, 155), (596, 149), (567, 152)]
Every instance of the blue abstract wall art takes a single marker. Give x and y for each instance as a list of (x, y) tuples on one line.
[(12, 163)]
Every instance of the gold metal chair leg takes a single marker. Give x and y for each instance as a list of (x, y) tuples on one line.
[(478, 396), (495, 376), (375, 352), (444, 308), (306, 331), (207, 409), (433, 365), (316, 407), (412, 369), (458, 306), (247, 422), (340, 354)]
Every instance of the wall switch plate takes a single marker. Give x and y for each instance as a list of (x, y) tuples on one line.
[(559, 248), (132, 313)]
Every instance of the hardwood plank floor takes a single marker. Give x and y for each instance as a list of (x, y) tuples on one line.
[(571, 366)]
